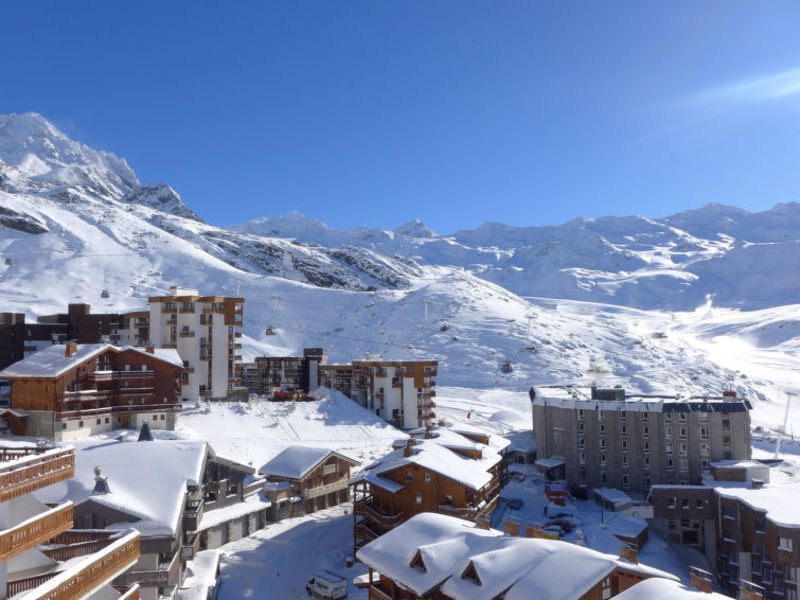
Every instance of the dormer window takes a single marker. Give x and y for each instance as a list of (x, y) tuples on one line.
[(418, 563), (471, 573)]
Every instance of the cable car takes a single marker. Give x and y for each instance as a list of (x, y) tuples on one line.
[(8, 262), (269, 331), (507, 368), (105, 294)]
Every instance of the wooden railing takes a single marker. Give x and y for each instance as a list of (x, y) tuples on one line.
[(36, 530), (82, 579), (33, 472), (321, 490), (152, 578)]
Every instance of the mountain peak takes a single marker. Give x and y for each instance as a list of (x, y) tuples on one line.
[(38, 149), (416, 229), (161, 197)]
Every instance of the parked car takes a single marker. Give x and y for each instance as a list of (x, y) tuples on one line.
[(327, 586), (562, 523), (515, 503)]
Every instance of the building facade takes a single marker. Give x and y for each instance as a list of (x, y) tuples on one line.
[(607, 438), (32, 548), (747, 526), (206, 332), (400, 392), (73, 391), (287, 373)]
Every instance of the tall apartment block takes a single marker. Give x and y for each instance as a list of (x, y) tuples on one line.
[(598, 437), (206, 332), (290, 373), (398, 391), (38, 557)]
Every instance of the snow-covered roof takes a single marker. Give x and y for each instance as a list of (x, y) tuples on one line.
[(295, 462), (431, 550), (613, 495), (201, 575), (146, 479), (571, 397), (212, 518), (51, 362), (665, 589), (550, 462)]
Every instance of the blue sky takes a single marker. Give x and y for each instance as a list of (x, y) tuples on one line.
[(457, 112)]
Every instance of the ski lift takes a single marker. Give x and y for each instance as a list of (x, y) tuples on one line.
[(269, 331), (507, 368), (105, 294)]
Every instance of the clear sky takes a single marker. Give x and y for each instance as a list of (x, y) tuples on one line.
[(457, 112)]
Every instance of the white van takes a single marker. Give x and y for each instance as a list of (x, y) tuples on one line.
[(327, 586)]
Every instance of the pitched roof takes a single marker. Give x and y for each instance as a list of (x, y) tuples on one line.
[(147, 481), (51, 362), (295, 462), (664, 589), (469, 563)]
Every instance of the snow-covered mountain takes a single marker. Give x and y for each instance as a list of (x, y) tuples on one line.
[(75, 222)]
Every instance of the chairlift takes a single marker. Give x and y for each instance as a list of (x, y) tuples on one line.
[(269, 331), (105, 294), (507, 368)]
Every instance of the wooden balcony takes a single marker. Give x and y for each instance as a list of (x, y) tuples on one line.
[(186, 334), (169, 309), (84, 578), (186, 310), (321, 490), (154, 578), (211, 311), (34, 531), (36, 471)]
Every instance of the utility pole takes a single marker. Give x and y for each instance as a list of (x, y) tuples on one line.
[(238, 280), (529, 317), (275, 305), (785, 421), (426, 302)]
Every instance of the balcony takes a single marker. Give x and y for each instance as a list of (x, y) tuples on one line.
[(375, 513), (237, 334), (85, 577), (33, 472), (92, 395), (186, 334), (186, 310), (34, 531), (218, 310), (160, 577), (325, 489), (169, 309)]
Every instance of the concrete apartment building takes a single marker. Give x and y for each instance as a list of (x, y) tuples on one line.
[(745, 519), (398, 391), (206, 332), (597, 438), (288, 373)]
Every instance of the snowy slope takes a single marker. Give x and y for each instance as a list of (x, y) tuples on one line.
[(75, 222)]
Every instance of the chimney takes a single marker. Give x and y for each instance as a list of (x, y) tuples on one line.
[(409, 445), (630, 553), (151, 349), (100, 482), (700, 579), (70, 350)]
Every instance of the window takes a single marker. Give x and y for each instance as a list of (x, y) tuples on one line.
[(668, 447), (646, 462), (624, 444), (623, 416), (80, 423), (682, 432), (602, 428), (672, 502), (699, 503), (670, 463), (580, 414), (705, 464), (791, 573), (668, 431), (605, 588), (705, 449), (623, 430), (684, 464), (409, 475), (645, 431), (703, 417), (427, 477), (582, 458), (418, 499), (601, 416), (646, 446), (761, 526), (624, 460), (64, 425), (728, 512), (98, 422), (785, 543), (668, 417), (726, 424), (602, 443), (682, 417), (581, 443), (645, 416), (603, 458), (647, 481), (704, 432), (625, 479), (684, 448), (685, 503), (603, 478), (580, 427)]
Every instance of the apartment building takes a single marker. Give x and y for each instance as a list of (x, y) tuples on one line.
[(604, 438), (19, 339), (447, 558), (288, 373), (72, 391), (206, 332), (37, 558), (399, 391), (436, 470), (745, 519)]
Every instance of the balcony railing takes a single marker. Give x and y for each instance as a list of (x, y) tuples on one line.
[(131, 594), (211, 311), (34, 531), (169, 309), (33, 472), (186, 309), (82, 579), (375, 513), (154, 578), (186, 334), (325, 489)]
